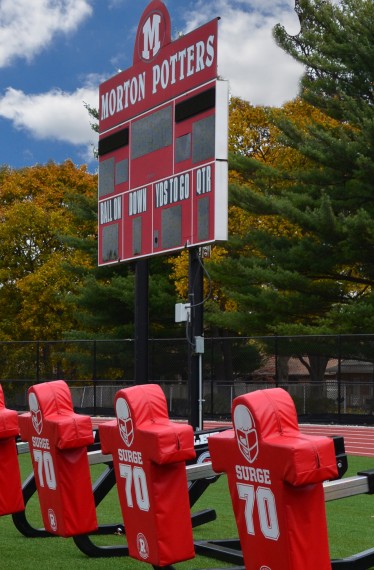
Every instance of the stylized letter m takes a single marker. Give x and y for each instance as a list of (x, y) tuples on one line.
[(151, 34)]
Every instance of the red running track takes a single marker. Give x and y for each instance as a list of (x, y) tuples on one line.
[(358, 440)]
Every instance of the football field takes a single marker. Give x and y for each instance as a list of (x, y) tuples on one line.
[(350, 523)]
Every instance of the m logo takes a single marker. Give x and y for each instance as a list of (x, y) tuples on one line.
[(154, 32), (151, 37)]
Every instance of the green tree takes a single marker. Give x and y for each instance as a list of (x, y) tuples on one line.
[(104, 302), (307, 265)]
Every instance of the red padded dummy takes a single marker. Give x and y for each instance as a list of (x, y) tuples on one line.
[(11, 498), (275, 476), (58, 440), (149, 453)]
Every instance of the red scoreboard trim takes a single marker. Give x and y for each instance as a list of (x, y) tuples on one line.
[(163, 145), (179, 66)]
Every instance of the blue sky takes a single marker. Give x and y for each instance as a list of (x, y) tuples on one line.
[(55, 53)]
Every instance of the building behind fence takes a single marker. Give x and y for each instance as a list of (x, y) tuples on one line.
[(331, 378)]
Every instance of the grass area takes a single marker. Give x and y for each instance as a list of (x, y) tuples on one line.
[(350, 522)]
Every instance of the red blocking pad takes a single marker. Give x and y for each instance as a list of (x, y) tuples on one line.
[(11, 498), (275, 477), (58, 440), (149, 453)]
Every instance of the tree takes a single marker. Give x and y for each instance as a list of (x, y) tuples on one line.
[(35, 261), (104, 302), (35, 214), (307, 266)]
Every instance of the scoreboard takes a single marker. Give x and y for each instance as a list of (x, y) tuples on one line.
[(163, 145)]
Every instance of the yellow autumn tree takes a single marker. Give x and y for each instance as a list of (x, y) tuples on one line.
[(36, 216)]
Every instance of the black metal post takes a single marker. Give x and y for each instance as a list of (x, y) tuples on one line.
[(276, 350), (94, 375), (141, 368), (37, 362), (339, 377), (195, 329)]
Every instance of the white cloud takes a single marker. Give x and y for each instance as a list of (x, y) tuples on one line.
[(257, 69), (55, 115), (28, 26)]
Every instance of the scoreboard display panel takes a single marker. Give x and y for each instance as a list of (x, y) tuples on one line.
[(163, 157)]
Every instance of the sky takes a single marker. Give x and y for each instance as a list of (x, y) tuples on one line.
[(55, 53)]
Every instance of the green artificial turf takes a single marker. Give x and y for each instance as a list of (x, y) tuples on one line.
[(350, 523), (351, 520)]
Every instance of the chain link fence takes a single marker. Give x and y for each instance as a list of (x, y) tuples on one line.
[(330, 378)]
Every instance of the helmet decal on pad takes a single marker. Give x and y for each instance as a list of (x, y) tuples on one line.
[(124, 420), (246, 433), (36, 413)]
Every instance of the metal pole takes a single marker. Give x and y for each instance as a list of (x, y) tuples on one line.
[(201, 420), (195, 329), (141, 367)]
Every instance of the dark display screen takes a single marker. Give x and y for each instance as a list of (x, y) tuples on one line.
[(106, 177), (171, 227), (203, 219), (122, 171), (110, 243), (152, 132), (137, 236), (113, 142), (183, 148), (203, 139)]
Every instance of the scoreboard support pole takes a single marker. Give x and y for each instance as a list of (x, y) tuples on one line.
[(141, 365), (195, 329)]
